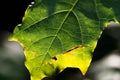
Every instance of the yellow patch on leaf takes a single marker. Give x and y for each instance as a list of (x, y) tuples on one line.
[(78, 57)]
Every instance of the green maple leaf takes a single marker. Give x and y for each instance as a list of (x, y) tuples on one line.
[(63, 33)]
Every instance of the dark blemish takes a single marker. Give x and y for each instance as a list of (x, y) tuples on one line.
[(54, 58), (48, 63), (74, 48)]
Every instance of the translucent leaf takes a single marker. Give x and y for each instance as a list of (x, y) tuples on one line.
[(62, 33)]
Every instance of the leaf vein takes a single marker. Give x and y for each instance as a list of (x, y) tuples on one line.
[(60, 27), (44, 19), (80, 27)]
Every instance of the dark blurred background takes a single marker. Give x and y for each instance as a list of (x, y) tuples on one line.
[(105, 64), (11, 53), (11, 13)]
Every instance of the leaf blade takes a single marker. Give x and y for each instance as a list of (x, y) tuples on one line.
[(50, 29)]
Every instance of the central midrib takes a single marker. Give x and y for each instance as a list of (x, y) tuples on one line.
[(60, 27)]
